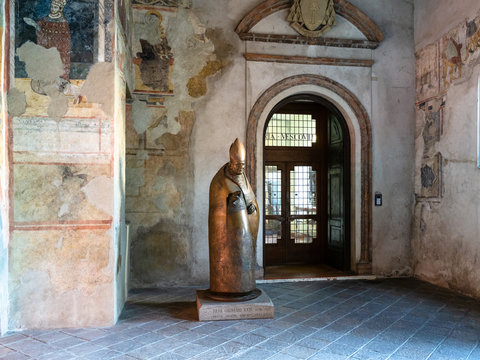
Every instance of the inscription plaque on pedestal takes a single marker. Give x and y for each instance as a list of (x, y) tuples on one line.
[(258, 308)]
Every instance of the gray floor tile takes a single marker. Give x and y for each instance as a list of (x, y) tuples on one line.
[(232, 348), (84, 348), (255, 354), (32, 348), (217, 353), (125, 346), (16, 356), (365, 354), (272, 345), (5, 350), (149, 351), (57, 355), (11, 338), (191, 350), (396, 318), (300, 352), (314, 343), (250, 339), (148, 338), (171, 356), (289, 337), (282, 356), (324, 355), (210, 341), (102, 354), (381, 346), (49, 337), (171, 330)]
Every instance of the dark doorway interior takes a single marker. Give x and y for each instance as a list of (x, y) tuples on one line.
[(306, 189)]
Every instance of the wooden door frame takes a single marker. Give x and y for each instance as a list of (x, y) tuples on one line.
[(315, 156)]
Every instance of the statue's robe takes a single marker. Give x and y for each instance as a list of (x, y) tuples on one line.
[(232, 233)]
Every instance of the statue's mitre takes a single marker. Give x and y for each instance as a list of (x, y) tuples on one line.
[(237, 151)]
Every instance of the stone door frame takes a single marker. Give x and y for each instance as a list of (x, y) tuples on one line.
[(359, 127)]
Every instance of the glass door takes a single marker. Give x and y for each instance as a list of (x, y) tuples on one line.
[(305, 186)]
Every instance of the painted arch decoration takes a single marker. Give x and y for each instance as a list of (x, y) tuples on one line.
[(350, 12)]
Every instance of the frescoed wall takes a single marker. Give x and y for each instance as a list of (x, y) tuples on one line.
[(169, 47), (445, 243), (193, 93), (3, 207), (75, 33), (66, 185), (130, 112)]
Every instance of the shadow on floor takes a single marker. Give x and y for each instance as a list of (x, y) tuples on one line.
[(302, 272)]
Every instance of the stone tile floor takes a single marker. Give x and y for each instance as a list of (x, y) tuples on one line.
[(383, 319)]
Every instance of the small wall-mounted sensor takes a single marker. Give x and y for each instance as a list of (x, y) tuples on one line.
[(378, 199)]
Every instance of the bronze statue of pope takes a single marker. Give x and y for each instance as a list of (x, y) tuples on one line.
[(232, 231)]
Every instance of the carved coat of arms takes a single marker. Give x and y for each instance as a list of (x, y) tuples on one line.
[(312, 17)]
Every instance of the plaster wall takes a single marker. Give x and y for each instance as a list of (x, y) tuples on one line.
[(193, 49), (176, 145), (122, 81), (434, 17), (64, 168), (3, 208), (445, 242), (392, 115)]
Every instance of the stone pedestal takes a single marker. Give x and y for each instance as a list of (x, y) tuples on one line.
[(258, 308)]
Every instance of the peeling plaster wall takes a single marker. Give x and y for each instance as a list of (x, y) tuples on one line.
[(66, 162), (179, 140), (3, 207), (173, 59), (445, 242), (123, 79), (195, 51)]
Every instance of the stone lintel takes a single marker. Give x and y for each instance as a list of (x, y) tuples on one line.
[(303, 40), (305, 60), (258, 308)]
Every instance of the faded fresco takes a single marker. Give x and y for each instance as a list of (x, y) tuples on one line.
[(445, 236), (153, 57), (168, 3), (428, 73), (441, 64), (60, 104), (70, 26), (173, 55), (431, 176), (447, 62)]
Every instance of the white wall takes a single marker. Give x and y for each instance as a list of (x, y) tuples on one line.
[(434, 17), (386, 91), (445, 243)]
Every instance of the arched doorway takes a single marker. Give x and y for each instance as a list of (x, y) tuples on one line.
[(360, 136), (306, 185)]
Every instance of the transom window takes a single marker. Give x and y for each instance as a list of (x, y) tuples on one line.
[(291, 130)]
